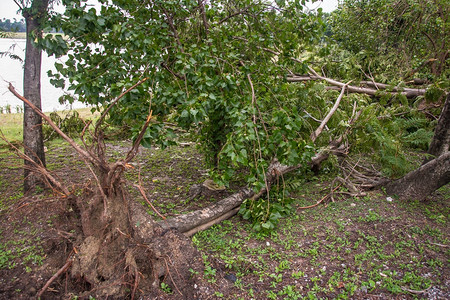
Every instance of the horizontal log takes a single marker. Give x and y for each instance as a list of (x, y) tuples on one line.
[(202, 219)]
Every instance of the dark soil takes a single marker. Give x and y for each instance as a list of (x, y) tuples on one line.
[(370, 247)]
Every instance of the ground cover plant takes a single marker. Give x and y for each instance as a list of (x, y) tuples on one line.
[(355, 247)]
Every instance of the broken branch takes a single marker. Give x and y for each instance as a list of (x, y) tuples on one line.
[(322, 125)]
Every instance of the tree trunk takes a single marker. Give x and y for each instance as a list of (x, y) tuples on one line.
[(202, 219), (441, 139), (32, 123), (423, 181)]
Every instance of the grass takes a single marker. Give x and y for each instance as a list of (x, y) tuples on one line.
[(348, 249), (11, 124)]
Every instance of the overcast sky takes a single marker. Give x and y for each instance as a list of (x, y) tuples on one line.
[(8, 9)]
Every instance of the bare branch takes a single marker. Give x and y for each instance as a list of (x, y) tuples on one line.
[(38, 167), (81, 151), (319, 129), (53, 278), (141, 190), (202, 12), (239, 12), (408, 92), (102, 117), (18, 4)]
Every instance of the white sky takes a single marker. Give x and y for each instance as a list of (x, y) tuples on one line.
[(8, 9)]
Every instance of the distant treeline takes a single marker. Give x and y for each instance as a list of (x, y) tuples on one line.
[(12, 25)]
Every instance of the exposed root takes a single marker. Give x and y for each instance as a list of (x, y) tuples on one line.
[(171, 278), (53, 278)]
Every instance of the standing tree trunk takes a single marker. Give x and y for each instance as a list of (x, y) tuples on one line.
[(441, 139), (420, 183), (32, 122), (434, 172)]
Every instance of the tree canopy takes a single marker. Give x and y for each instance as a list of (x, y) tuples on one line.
[(218, 67)]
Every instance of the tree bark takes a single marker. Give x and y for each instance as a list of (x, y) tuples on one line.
[(423, 181), (441, 139), (202, 219), (32, 123)]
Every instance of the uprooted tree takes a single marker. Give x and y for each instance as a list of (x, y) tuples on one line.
[(217, 68), (209, 64)]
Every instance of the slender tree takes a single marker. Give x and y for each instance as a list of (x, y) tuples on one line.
[(35, 13)]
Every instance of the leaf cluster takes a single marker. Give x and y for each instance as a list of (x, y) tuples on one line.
[(402, 35), (216, 68)]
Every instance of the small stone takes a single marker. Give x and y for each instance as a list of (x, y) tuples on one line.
[(231, 277)]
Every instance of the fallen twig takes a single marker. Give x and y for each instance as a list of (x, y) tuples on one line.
[(141, 190), (53, 278), (440, 245), (414, 291)]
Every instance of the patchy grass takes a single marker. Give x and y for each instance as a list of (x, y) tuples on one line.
[(354, 248), (11, 124)]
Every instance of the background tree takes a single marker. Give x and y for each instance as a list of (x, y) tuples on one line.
[(35, 14), (16, 26), (406, 33)]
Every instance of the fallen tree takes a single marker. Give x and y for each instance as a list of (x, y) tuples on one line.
[(202, 219)]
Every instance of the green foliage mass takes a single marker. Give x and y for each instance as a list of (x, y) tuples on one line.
[(394, 36), (217, 68), (72, 125)]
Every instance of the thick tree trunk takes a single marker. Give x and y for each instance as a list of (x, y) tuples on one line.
[(32, 122), (202, 219), (441, 139), (423, 181)]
